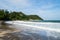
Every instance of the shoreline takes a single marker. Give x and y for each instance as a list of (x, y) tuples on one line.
[(27, 23), (4, 29), (31, 32)]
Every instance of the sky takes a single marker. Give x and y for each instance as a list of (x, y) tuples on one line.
[(46, 9)]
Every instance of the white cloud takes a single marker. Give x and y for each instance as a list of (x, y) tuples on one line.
[(15, 4), (45, 10), (3, 6), (19, 3)]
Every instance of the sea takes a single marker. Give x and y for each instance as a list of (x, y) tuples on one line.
[(36, 30)]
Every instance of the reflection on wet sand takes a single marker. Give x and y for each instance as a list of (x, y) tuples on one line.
[(6, 32), (9, 37), (28, 34)]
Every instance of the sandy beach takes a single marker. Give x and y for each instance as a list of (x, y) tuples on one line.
[(6, 33), (29, 32)]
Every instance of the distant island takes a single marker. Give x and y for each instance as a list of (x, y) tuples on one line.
[(6, 16)]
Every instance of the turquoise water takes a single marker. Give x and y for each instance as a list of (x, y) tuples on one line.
[(56, 21)]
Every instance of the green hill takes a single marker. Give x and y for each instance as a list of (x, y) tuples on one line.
[(34, 17), (6, 15)]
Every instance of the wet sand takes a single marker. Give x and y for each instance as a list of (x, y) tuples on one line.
[(28, 33), (6, 32)]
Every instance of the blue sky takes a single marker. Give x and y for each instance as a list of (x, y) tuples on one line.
[(47, 9)]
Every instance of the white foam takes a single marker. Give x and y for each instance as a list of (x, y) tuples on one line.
[(22, 23)]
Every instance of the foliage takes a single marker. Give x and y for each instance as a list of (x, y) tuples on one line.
[(35, 17), (6, 15)]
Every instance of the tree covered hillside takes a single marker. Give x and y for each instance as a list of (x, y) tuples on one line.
[(6, 15)]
